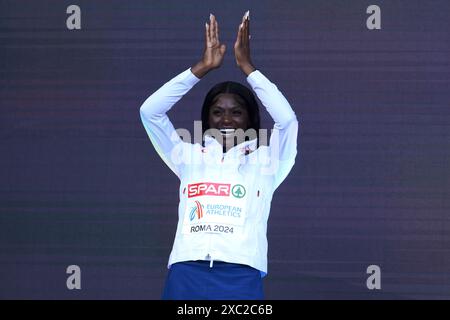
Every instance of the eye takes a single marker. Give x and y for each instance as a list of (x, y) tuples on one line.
[(237, 112), (216, 112)]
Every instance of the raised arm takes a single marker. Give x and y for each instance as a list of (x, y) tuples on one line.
[(154, 109), (283, 140)]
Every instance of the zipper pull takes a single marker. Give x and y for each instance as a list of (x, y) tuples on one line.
[(208, 256)]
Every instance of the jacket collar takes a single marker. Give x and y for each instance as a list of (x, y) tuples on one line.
[(243, 148)]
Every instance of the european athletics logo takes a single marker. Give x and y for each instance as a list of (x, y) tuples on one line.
[(196, 210)]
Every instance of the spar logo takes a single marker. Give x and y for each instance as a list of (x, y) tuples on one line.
[(215, 189), (238, 191), (209, 189), (196, 211)]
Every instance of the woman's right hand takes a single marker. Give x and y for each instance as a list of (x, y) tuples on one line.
[(214, 51)]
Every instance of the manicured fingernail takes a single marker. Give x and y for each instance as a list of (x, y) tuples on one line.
[(210, 16), (206, 25)]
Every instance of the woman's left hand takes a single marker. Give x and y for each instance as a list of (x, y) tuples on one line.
[(242, 46)]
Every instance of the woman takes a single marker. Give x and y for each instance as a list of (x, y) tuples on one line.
[(226, 186)]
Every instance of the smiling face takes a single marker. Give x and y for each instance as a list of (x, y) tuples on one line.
[(228, 113)]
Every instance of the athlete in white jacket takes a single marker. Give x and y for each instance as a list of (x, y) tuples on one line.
[(226, 184)]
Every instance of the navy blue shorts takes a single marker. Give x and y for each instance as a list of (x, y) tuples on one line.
[(195, 280)]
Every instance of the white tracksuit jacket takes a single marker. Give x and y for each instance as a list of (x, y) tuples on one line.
[(224, 198)]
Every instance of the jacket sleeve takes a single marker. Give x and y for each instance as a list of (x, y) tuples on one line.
[(283, 140), (160, 130)]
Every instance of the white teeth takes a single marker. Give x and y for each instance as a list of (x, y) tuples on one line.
[(227, 131)]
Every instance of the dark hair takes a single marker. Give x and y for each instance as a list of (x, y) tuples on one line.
[(238, 89)]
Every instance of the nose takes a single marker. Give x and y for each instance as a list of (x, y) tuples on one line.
[(226, 119)]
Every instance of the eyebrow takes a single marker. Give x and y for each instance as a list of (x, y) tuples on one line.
[(233, 107)]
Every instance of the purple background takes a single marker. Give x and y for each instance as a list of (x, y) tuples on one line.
[(80, 182)]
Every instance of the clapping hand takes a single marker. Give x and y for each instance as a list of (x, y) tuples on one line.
[(213, 52), (242, 46)]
